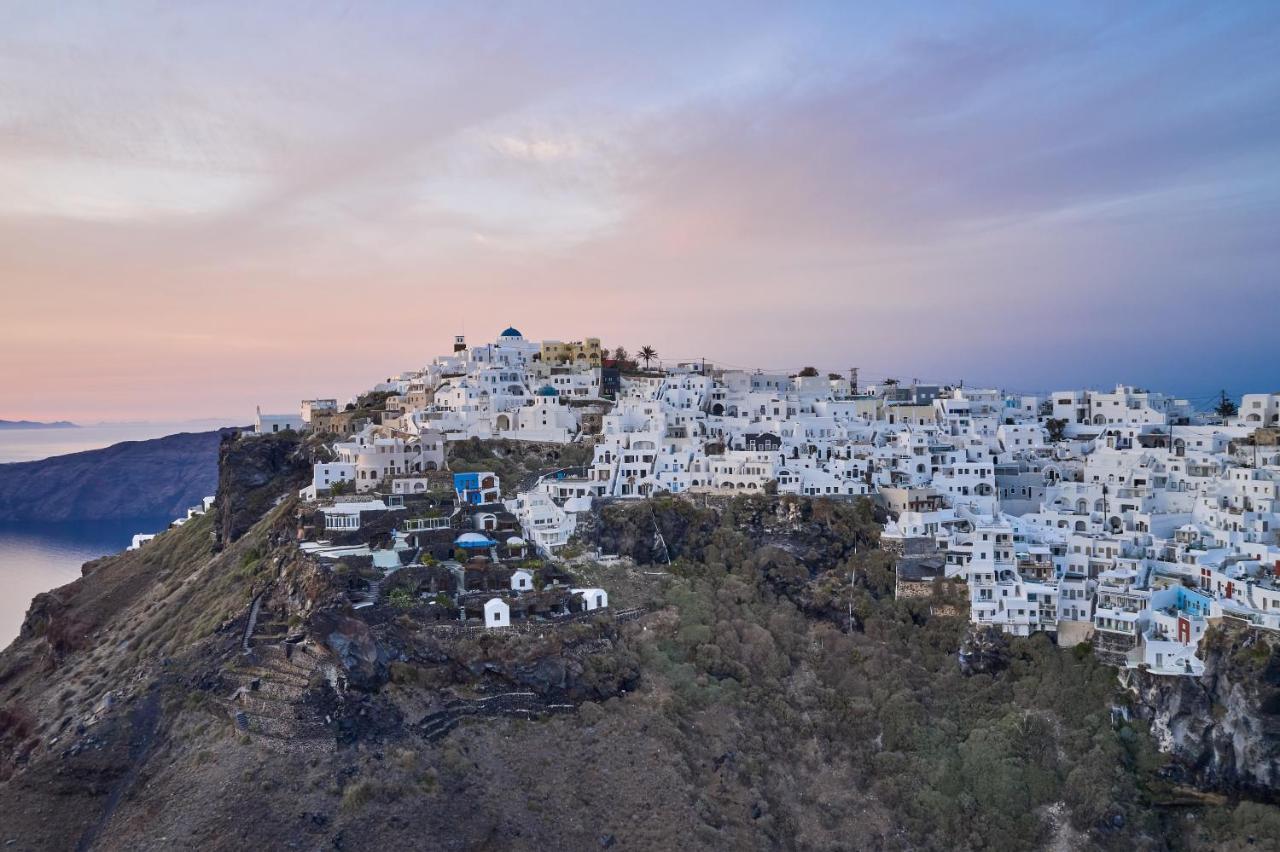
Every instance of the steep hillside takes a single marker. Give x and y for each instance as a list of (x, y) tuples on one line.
[(218, 690), (1223, 727), (133, 479)]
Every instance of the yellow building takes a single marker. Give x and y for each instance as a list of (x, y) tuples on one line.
[(575, 351)]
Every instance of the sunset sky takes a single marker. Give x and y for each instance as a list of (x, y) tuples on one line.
[(208, 206)]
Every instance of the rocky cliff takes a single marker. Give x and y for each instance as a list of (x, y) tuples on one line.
[(1223, 728), (133, 479), (253, 474), (217, 689)]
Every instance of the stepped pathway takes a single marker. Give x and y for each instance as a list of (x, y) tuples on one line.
[(268, 701), (517, 705), (252, 623), (272, 676), (371, 596), (631, 614), (374, 593)]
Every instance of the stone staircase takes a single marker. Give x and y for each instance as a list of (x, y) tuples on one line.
[(370, 596), (270, 632), (271, 679), (254, 611)]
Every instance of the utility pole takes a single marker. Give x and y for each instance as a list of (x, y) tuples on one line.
[(850, 627), (853, 570)]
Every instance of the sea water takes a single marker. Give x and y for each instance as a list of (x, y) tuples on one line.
[(35, 558)]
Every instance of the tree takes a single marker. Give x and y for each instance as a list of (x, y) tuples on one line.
[(1057, 428), (620, 355), (647, 354), (1225, 407), (808, 372), (891, 383)]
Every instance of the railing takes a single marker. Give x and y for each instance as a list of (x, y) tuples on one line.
[(420, 524)]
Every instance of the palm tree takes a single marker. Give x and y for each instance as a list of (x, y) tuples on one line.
[(647, 354)]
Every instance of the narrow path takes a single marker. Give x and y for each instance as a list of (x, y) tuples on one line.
[(252, 623), (518, 705)]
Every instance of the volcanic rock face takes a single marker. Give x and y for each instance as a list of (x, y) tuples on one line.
[(1223, 727), (130, 480), (353, 646), (252, 475)]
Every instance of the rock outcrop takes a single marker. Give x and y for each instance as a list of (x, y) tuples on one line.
[(984, 650), (353, 646), (252, 476), (1223, 727)]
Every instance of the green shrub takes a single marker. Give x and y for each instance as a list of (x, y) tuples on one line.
[(401, 598)]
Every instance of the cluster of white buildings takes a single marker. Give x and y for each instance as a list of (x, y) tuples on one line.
[(1142, 526), (1124, 517), (140, 539)]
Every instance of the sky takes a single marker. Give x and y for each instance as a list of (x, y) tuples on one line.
[(210, 206)]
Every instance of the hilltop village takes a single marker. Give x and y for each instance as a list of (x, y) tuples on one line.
[(1125, 518)]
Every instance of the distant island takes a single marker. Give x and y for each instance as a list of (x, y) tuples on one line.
[(35, 424), (128, 480)]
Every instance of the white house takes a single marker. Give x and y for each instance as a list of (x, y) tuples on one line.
[(266, 424), (496, 613), (346, 515), (521, 581), (1259, 409), (592, 598), (324, 475)]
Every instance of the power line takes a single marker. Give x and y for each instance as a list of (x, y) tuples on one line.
[(1201, 402)]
